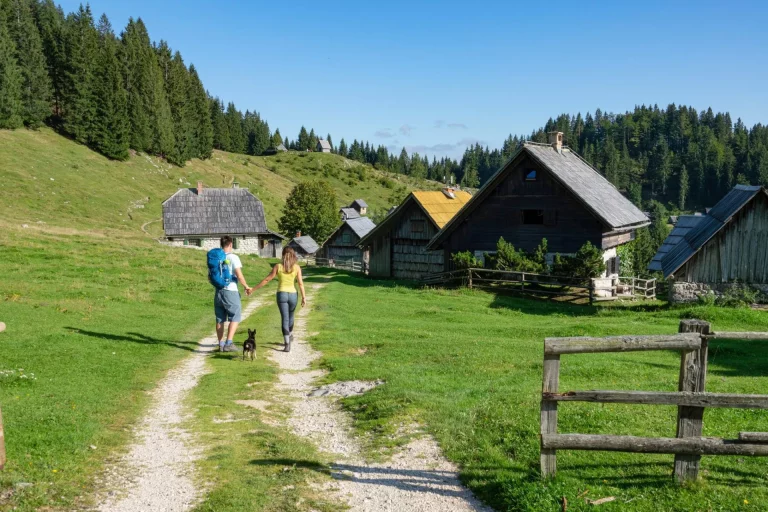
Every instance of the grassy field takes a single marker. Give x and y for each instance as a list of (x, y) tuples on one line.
[(49, 179), (468, 365)]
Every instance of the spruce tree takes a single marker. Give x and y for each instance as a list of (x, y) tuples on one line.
[(302, 143), (138, 60), (78, 104), (176, 89), (199, 116), (277, 139), (51, 25), (110, 127), (36, 88), (343, 148), (11, 106), (161, 120), (312, 140), (221, 139), (330, 142), (683, 189), (235, 124)]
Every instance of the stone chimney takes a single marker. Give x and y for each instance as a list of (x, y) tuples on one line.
[(199, 188), (449, 193), (556, 141), (235, 184), (298, 234)]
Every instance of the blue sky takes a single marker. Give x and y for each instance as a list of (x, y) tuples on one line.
[(436, 76)]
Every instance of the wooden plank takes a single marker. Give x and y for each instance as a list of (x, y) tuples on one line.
[(586, 345), (753, 437), (739, 335), (686, 446), (690, 420), (550, 384), (722, 400), (2, 442)]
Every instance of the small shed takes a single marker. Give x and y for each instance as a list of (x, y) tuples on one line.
[(200, 217), (360, 205), (709, 253), (342, 244), (397, 246), (305, 246), (323, 146), (281, 148), (348, 213)]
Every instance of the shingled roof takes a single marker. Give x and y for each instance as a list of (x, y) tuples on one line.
[(435, 204), (680, 246), (586, 184), (307, 244), (324, 144), (350, 213), (361, 226), (214, 211), (360, 203)]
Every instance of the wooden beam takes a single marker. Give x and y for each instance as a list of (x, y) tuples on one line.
[(753, 437), (550, 383), (739, 335), (681, 446), (689, 399), (2, 442), (690, 419), (585, 345)]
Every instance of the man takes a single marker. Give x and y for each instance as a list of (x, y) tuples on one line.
[(226, 302)]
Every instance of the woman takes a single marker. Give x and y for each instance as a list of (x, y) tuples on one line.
[(287, 273)]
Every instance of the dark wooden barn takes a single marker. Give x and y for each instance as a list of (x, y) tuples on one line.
[(342, 244), (305, 246), (709, 253), (200, 217), (397, 246), (544, 191)]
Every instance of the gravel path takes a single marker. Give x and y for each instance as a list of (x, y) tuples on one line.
[(155, 474), (417, 478)]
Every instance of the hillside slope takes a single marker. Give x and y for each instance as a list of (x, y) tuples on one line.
[(49, 180)]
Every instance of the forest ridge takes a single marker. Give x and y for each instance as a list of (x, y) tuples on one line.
[(121, 93)]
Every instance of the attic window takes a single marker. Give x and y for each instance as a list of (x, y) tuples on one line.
[(417, 226), (533, 217), (530, 175), (346, 238)]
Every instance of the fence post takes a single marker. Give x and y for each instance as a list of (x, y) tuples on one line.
[(2, 442), (591, 291), (693, 375), (469, 283), (550, 384)]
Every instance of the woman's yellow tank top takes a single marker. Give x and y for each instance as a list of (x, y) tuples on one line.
[(285, 280)]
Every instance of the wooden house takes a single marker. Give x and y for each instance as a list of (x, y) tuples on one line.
[(357, 209), (709, 253), (398, 244), (305, 246), (200, 217), (544, 191), (323, 146), (281, 148), (342, 244)]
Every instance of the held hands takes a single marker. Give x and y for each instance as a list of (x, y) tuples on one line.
[(248, 291)]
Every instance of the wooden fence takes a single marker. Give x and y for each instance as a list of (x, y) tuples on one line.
[(691, 400), (548, 285), (351, 265), (2, 442)]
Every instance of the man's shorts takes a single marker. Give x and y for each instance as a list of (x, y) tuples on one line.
[(226, 304)]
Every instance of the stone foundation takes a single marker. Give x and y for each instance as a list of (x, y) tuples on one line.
[(245, 245), (683, 293)]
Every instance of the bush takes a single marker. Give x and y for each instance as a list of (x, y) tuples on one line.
[(464, 260), (739, 295), (586, 263), (509, 258)]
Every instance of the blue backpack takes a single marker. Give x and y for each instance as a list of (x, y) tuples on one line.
[(218, 269)]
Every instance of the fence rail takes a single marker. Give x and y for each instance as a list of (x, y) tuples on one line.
[(351, 265), (597, 289), (691, 400)]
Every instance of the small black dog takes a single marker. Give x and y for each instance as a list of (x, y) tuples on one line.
[(249, 345)]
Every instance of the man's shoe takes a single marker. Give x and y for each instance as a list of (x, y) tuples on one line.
[(230, 348)]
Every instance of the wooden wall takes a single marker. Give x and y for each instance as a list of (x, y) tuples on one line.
[(337, 249), (400, 252), (568, 223), (738, 251)]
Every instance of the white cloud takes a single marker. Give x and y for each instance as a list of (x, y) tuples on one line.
[(406, 130)]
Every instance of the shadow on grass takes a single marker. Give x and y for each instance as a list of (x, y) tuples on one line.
[(411, 480), (738, 358), (135, 337)]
